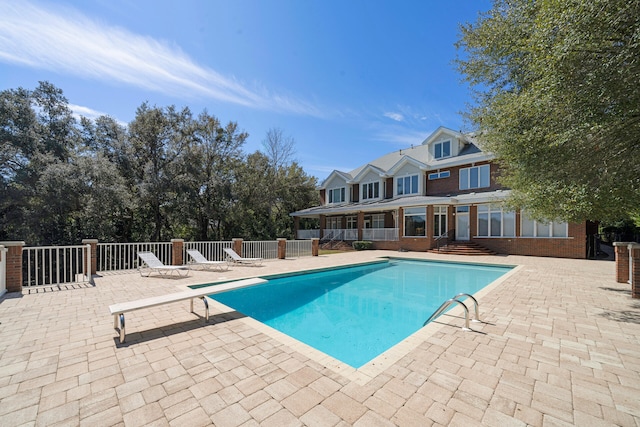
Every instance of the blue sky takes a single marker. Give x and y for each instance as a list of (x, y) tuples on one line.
[(348, 80)]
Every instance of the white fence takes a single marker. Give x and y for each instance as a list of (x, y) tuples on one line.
[(264, 250), (213, 251), (56, 265), (298, 248), (3, 270), (124, 256)]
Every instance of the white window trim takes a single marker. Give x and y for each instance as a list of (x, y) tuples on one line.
[(330, 197), (404, 222), (444, 214), (439, 175), (469, 187), (441, 143), (362, 187), (397, 178), (535, 229), (489, 212)]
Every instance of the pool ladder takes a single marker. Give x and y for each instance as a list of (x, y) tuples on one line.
[(456, 300)]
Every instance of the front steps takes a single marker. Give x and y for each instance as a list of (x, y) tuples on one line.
[(463, 248)]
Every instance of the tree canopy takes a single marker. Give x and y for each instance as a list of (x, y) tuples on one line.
[(557, 100), (166, 174)]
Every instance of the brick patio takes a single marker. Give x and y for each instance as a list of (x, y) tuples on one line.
[(560, 346)]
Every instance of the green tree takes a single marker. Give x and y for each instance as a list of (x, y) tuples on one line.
[(158, 137), (558, 102), (209, 167)]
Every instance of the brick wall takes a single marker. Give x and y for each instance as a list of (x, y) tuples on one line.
[(445, 186)]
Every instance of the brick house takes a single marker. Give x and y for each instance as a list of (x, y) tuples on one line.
[(440, 193)]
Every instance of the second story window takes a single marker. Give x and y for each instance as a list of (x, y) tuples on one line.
[(439, 175), (475, 177), (442, 150), (337, 195), (371, 190), (407, 185)]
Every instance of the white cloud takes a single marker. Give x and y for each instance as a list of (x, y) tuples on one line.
[(66, 41), (395, 116), (89, 113)]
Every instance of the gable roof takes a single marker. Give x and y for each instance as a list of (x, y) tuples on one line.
[(365, 170), (410, 160), (342, 175)]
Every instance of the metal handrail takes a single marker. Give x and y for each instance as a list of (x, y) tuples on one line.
[(446, 305), (475, 305), (445, 236), (453, 300)]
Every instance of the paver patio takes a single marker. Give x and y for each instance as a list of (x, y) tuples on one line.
[(560, 346)]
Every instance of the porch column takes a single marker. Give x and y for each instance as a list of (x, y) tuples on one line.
[(14, 265), (360, 224), (622, 261), (296, 226), (634, 260), (237, 245), (282, 248), (323, 225), (315, 246), (176, 251), (94, 253)]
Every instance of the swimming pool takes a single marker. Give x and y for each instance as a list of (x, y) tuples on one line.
[(356, 313)]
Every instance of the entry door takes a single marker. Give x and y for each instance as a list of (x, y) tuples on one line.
[(462, 222)]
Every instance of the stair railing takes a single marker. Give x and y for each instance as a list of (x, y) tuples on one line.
[(444, 237)]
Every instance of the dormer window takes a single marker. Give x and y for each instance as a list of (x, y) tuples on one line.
[(337, 195), (442, 149), (371, 190), (407, 185)]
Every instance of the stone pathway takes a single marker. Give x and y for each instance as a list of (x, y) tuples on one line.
[(560, 347)]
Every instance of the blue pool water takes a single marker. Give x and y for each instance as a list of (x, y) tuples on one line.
[(354, 314)]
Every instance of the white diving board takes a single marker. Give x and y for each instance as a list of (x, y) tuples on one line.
[(118, 310)]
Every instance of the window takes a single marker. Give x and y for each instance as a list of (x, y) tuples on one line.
[(439, 175), (407, 185), (532, 228), (442, 150), (493, 221), (371, 190), (475, 177), (439, 221), (334, 223), (336, 195), (377, 221), (352, 222), (415, 222)]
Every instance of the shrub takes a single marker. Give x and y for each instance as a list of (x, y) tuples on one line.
[(362, 245)]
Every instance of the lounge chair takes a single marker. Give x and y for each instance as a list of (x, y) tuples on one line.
[(151, 263), (199, 259), (234, 257)]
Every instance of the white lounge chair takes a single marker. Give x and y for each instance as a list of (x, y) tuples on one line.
[(234, 257), (199, 259), (151, 263)]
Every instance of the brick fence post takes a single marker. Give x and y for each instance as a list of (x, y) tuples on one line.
[(176, 251), (315, 245), (282, 248), (622, 261), (237, 246), (94, 253), (14, 265), (634, 269)]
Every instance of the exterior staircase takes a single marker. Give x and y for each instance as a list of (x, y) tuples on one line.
[(337, 245), (463, 248)]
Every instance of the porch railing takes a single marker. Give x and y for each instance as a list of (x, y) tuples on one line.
[(380, 234), (308, 234), (55, 265), (298, 248), (264, 250), (124, 256)]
